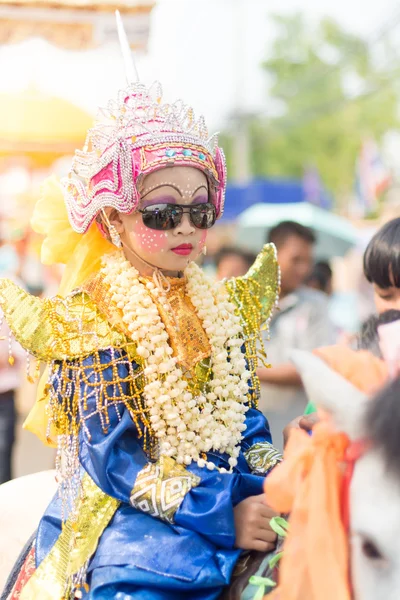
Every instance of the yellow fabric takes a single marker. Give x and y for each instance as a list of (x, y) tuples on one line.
[(62, 245), (80, 253), (37, 421), (75, 544)]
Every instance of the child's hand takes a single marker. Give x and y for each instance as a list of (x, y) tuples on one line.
[(305, 422), (253, 531)]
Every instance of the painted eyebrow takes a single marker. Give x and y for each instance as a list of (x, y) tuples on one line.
[(199, 188), (164, 185)]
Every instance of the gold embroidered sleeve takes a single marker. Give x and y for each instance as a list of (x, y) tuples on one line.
[(262, 457), (256, 293), (57, 328), (161, 487)]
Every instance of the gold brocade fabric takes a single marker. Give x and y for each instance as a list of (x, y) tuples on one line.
[(262, 457), (160, 488), (187, 337), (76, 543), (99, 294)]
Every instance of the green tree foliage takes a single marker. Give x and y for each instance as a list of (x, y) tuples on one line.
[(329, 90)]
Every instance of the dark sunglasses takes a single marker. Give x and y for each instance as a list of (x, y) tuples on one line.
[(168, 216)]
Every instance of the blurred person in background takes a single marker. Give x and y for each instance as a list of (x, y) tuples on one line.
[(339, 307), (10, 366), (381, 264), (233, 262), (321, 278), (301, 322)]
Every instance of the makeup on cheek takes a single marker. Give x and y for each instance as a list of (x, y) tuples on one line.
[(150, 240)]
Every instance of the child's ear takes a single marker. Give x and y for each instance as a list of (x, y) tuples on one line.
[(115, 220), (330, 391)]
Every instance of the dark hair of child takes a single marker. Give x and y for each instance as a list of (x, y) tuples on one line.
[(368, 338), (382, 256)]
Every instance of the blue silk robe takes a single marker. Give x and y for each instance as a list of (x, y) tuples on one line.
[(138, 555)]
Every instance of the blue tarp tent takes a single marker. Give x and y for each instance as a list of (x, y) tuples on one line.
[(270, 191)]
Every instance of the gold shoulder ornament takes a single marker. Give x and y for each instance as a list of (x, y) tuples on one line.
[(256, 295), (60, 333), (56, 328)]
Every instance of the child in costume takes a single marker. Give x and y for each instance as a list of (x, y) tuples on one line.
[(150, 391)]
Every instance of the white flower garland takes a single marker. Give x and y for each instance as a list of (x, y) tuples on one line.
[(187, 426)]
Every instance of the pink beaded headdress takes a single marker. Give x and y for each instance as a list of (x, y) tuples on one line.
[(134, 136)]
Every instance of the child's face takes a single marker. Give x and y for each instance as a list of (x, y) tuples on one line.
[(168, 249), (386, 298)]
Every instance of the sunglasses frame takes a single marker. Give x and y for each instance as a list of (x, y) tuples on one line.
[(182, 208)]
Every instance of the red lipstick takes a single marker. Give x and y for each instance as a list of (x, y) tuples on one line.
[(183, 249)]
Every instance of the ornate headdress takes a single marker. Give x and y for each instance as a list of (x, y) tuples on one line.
[(134, 136)]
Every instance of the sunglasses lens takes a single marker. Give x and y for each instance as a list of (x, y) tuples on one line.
[(162, 217), (203, 215)]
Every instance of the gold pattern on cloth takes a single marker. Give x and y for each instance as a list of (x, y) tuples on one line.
[(187, 337), (75, 545), (56, 328), (262, 457), (161, 487)]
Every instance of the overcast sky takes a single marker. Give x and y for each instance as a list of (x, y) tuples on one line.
[(193, 51)]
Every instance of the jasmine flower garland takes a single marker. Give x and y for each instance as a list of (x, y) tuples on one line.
[(186, 426)]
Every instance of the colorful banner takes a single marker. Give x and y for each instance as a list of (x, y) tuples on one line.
[(372, 178)]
